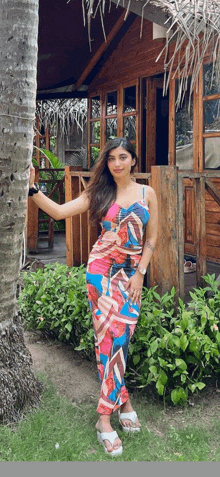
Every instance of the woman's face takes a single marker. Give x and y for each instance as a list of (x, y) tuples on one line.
[(120, 162)]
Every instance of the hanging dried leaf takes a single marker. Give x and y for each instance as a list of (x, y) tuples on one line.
[(195, 26)]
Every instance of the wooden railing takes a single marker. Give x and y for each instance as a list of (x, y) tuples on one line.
[(80, 235), (34, 214), (202, 181), (166, 266)]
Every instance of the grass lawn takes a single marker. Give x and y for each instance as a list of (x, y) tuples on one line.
[(62, 431)]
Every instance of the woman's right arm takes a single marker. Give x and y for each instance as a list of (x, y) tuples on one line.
[(56, 211)]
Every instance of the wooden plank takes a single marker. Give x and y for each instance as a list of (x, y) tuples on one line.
[(151, 125), (172, 116), (189, 215), (214, 175), (213, 251), (69, 227), (196, 107), (76, 224), (213, 240), (164, 262), (211, 134), (180, 231), (200, 230), (212, 218), (213, 191), (32, 221), (99, 53), (213, 229), (212, 206), (83, 231), (211, 97), (200, 122)]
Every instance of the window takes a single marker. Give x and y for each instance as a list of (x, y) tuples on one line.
[(184, 131), (111, 120), (129, 114), (94, 129), (211, 115), (113, 113)]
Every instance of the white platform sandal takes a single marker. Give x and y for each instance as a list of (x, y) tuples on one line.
[(128, 416), (109, 436)]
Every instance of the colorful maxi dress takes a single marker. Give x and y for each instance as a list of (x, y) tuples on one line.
[(112, 261)]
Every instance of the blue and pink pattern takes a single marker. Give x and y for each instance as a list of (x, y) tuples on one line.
[(113, 260)]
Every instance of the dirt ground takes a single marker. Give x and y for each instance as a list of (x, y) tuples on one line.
[(75, 377)]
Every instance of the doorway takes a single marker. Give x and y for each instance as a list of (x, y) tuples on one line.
[(157, 123)]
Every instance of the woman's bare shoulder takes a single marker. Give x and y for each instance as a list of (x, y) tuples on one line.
[(149, 193)]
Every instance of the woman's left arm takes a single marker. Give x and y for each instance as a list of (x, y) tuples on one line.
[(135, 284)]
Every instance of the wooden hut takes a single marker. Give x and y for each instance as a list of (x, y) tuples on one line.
[(148, 74)]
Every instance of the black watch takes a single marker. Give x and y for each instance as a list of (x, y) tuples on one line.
[(34, 190)]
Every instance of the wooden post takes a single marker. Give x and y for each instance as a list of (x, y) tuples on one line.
[(32, 221), (172, 116), (69, 225), (181, 238), (200, 230), (164, 262)]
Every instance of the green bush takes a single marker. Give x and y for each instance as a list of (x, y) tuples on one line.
[(55, 301), (175, 347)]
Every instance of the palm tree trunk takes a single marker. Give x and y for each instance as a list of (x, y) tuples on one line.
[(18, 66)]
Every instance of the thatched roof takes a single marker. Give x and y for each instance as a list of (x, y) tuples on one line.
[(63, 113), (195, 26)]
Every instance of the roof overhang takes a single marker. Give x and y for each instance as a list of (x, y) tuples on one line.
[(66, 65)]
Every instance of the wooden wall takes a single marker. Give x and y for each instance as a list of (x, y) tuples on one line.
[(133, 59), (212, 213)]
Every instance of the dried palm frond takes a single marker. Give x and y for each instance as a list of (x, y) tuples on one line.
[(62, 112), (196, 27), (193, 24)]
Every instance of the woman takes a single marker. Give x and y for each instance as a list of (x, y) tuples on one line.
[(115, 272)]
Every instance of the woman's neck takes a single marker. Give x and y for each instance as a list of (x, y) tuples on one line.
[(123, 183)]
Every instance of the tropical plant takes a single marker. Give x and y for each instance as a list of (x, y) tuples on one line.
[(54, 176)]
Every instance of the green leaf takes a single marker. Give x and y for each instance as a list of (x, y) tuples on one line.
[(153, 369), (55, 162), (154, 346), (69, 327), (192, 387), (136, 359), (183, 342), (163, 376), (180, 363), (200, 385), (179, 395), (160, 387), (162, 362), (131, 348), (176, 341)]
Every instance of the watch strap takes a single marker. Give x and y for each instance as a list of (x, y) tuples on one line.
[(33, 190)]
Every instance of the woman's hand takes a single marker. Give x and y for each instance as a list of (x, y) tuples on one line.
[(32, 176), (134, 287)]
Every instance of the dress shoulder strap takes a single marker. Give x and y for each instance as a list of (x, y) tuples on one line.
[(143, 192)]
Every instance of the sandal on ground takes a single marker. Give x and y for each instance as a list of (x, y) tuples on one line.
[(128, 416), (109, 436), (189, 267)]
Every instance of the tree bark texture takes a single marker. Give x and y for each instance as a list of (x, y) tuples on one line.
[(18, 66)]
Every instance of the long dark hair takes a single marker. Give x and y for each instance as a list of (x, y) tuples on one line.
[(102, 187)]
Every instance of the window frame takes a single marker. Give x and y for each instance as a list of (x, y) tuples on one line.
[(120, 116)]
